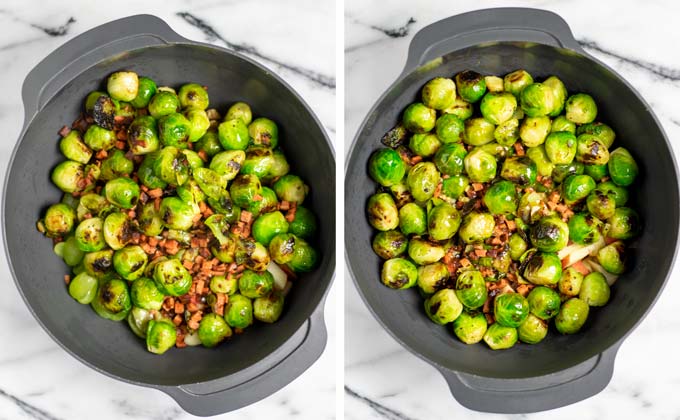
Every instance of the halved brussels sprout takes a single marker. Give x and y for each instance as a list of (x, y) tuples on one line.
[(268, 309), (537, 100), (212, 330), (412, 219), (560, 147), (116, 165), (68, 176), (174, 130), (577, 187), (559, 92), (240, 110), (581, 108), (264, 132), (98, 263), (471, 289), (143, 136), (210, 144), (561, 172), (544, 166), (601, 205), (480, 166), (193, 96), (600, 130), (398, 273), (389, 244), (112, 300), (198, 124), (386, 167), (439, 93), (147, 88), (498, 337), (425, 144), (520, 170), (570, 282), (418, 118), (450, 128), (282, 248), (612, 257), (517, 246), (501, 198), (597, 172), (534, 130), (305, 257), (454, 187), (544, 302), (98, 138), (172, 278), (460, 109), (498, 108), (123, 85), (533, 330), (590, 150), (59, 219), (595, 290), (543, 269), (561, 123), (171, 166), (478, 131), (245, 187), (89, 235), (71, 254), (470, 328), (228, 163), (233, 135), (304, 224), (239, 311), (516, 81), (161, 336), (422, 180), (83, 288), (443, 222), (572, 316), (624, 223), (290, 188), (476, 227), (122, 192), (130, 262), (470, 85), (620, 194), (269, 225), (382, 212), (507, 133), (622, 167), (424, 252), (443, 307), (584, 228), (73, 147), (146, 295), (510, 309), (163, 103), (150, 221), (432, 277)]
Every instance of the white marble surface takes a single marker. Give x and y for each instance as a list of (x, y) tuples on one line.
[(639, 40), (39, 380)]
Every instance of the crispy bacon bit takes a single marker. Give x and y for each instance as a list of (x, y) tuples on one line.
[(120, 145), (168, 303), (102, 154), (416, 159), (221, 302), (487, 304), (195, 320), (257, 197), (581, 268), (477, 186), (171, 246), (519, 149), (64, 131), (489, 319), (199, 287), (486, 271), (523, 289), (203, 155), (155, 193), (177, 319), (179, 307), (290, 216), (67, 279), (438, 190), (284, 205), (465, 262), (188, 265)]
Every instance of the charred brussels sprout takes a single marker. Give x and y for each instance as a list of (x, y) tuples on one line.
[(612, 257), (520, 170), (59, 220), (123, 85), (498, 107), (73, 147), (501, 198), (559, 92), (470, 327), (537, 100), (561, 172), (212, 330), (244, 188), (424, 145), (228, 163), (480, 165), (83, 288), (398, 273), (470, 86), (210, 144), (268, 203), (577, 187), (305, 257), (544, 166), (478, 131), (534, 131), (239, 312), (264, 132), (533, 330), (572, 316), (418, 118), (163, 103), (590, 150), (543, 269), (443, 222), (290, 188), (386, 167), (147, 88), (600, 130), (145, 294), (233, 135), (147, 174), (561, 123), (382, 212), (172, 278), (222, 284), (544, 302), (412, 219), (432, 277), (150, 221), (624, 223), (268, 309), (176, 214), (282, 248), (122, 192), (198, 124), (112, 300), (171, 166), (601, 205), (450, 158), (594, 290), (130, 262), (622, 167), (584, 228), (460, 109), (510, 309), (193, 96), (422, 180), (98, 138), (89, 235), (517, 246), (471, 289), (390, 244), (570, 282), (516, 81), (269, 225), (498, 337), (477, 227), (454, 187), (581, 108), (560, 147), (443, 307), (160, 336), (98, 263), (174, 130), (304, 225), (240, 110), (116, 165), (424, 252), (507, 133), (439, 93), (258, 161)]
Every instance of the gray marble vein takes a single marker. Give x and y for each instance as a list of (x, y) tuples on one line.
[(382, 410), (32, 411)]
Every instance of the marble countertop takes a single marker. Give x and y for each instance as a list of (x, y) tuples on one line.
[(39, 380), (639, 40)]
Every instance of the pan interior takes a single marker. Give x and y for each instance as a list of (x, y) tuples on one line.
[(655, 196), (112, 347)]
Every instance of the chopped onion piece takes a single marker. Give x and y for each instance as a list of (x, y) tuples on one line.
[(280, 276)]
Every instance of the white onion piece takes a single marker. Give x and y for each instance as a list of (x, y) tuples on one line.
[(280, 276), (192, 339), (594, 266)]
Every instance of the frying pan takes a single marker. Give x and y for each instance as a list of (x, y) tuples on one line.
[(562, 369), (203, 381)]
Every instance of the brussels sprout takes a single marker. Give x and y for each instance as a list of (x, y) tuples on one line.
[(498, 107), (98, 138), (622, 167), (89, 235), (471, 289), (268, 203), (193, 96), (559, 92), (424, 145), (478, 131), (122, 192), (590, 150), (92, 98), (577, 187), (424, 252), (125, 110), (561, 123), (544, 302), (399, 273), (498, 337), (570, 282), (507, 133), (305, 257), (470, 328), (123, 85), (146, 90), (432, 277), (253, 285), (480, 165), (147, 174), (160, 336), (171, 166), (418, 118), (264, 132), (612, 257), (198, 124), (193, 159), (560, 147), (516, 81), (544, 166), (112, 300), (116, 165), (138, 321), (304, 224), (225, 285), (150, 221), (572, 316), (624, 224), (520, 170), (422, 180), (561, 172), (228, 163), (269, 225), (389, 244), (537, 100), (163, 103), (213, 329), (282, 247), (98, 263), (494, 84), (510, 309), (594, 290), (597, 172), (59, 219), (71, 253), (233, 135), (454, 187), (599, 130), (239, 311), (258, 161), (601, 205), (443, 222), (240, 110), (584, 228), (73, 147), (517, 246), (533, 330), (174, 130), (145, 294), (443, 307), (130, 262), (531, 207), (412, 220), (83, 288), (476, 227), (460, 109), (268, 309), (439, 93), (470, 85), (244, 188), (386, 167), (534, 130), (210, 144), (581, 108), (279, 166), (501, 198), (176, 214), (543, 269), (382, 212), (172, 278), (290, 188)]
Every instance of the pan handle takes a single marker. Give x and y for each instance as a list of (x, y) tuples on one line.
[(528, 395), (87, 49), (228, 394), (488, 25)]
